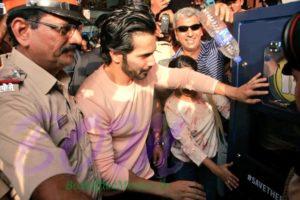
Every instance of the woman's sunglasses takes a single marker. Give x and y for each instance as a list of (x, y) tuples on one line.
[(186, 28)]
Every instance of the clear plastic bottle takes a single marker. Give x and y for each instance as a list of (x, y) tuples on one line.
[(218, 30)]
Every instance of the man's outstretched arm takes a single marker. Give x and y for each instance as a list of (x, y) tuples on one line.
[(186, 78), (245, 92), (178, 190)]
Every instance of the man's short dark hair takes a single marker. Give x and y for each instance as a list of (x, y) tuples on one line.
[(117, 29), (183, 61)]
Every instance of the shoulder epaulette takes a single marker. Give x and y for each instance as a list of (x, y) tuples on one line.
[(10, 78)]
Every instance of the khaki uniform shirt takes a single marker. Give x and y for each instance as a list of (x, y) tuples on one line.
[(41, 132)]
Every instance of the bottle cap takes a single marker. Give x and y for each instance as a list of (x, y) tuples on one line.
[(237, 59)]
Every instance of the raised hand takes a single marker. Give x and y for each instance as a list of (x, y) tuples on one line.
[(158, 5), (224, 12), (248, 90)]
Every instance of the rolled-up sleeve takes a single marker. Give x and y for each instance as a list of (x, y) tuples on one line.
[(97, 122), (28, 153), (223, 105)]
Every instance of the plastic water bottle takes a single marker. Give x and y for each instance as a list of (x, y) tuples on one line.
[(218, 30)]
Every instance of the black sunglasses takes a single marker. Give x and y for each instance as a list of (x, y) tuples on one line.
[(186, 28)]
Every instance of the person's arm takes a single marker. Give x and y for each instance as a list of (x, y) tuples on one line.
[(178, 190), (186, 78), (222, 171), (58, 187), (34, 165), (223, 105)]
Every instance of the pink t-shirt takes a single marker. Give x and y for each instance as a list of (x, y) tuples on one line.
[(118, 118)]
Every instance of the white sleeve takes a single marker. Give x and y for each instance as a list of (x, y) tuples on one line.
[(223, 105)]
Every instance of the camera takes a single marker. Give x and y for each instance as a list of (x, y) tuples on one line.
[(91, 35), (165, 22)]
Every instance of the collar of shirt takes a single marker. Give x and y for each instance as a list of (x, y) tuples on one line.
[(41, 77)]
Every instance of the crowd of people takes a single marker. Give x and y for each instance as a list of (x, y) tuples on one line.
[(85, 136)]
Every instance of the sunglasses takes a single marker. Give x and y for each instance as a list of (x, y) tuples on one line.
[(194, 27)]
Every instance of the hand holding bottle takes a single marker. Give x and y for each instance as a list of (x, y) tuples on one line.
[(218, 30), (223, 12)]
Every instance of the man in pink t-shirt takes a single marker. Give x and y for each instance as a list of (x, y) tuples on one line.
[(117, 102)]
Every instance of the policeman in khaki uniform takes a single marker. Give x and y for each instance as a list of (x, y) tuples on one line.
[(45, 152)]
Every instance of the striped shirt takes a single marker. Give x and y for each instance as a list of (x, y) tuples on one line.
[(210, 60)]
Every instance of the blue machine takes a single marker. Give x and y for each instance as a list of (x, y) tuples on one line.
[(263, 138)]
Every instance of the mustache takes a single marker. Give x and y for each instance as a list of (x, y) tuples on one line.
[(67, 48), (147, 70)]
